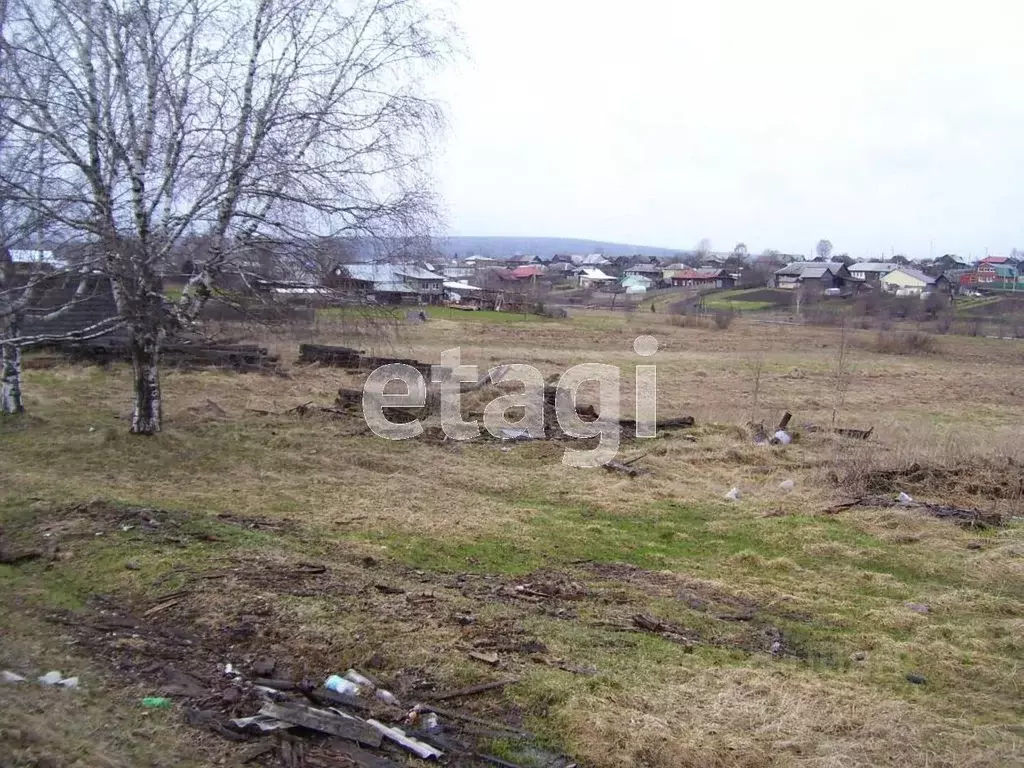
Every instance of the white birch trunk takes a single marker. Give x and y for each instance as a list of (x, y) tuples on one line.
[(10, 396), (147, 412)]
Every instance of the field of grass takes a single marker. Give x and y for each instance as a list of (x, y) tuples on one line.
[(747, 299), (796, 625), (484, 316)]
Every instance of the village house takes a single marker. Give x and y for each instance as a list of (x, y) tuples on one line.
[(590, 260), (27, 258), (457, 271), (650, 271), (461, 293), (907, 281), (1004, 261), (592, 277), (521, 259), (703, 278), (560, 270), (995, 269), (871, 272), (528, 272), (389, 283), (813, 276)]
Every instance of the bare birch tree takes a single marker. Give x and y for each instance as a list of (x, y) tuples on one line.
[(823, 249), (241, 121)]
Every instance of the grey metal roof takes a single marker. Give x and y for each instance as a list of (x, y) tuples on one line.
[(388, 273), (810, 269), (874, 266), (416, 273)]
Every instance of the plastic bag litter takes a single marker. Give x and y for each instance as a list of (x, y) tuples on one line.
[(51, 678), (787, 485), (734, 494)]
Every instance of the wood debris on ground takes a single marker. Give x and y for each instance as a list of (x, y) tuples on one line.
[(963, 516)]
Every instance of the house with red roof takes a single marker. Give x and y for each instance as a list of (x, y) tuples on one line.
[(528, 272)]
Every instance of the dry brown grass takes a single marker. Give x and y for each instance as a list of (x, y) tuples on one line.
[(761, 717), (904, 343), (429, 510)]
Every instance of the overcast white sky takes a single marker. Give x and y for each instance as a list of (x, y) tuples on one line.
[(879, 125)]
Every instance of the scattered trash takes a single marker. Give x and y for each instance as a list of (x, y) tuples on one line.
[(355, 683), (486, 658), (259, 723), (734, 494), (341, 685), (919, 607), (51, 678), (10, 677), (787, 485), (782, 437), (916, 679), (905, 499), (430, 723), (156, 702), (69, 682), (418, 748), (326, 721), (386, 696), (359, 679)]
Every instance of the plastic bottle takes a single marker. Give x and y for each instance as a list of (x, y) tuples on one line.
[(339, 684)]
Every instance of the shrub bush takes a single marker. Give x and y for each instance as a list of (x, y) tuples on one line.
[(723, 318), (909, 343)]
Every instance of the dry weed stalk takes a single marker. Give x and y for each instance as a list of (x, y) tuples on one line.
[(755, 365), (841, 377)]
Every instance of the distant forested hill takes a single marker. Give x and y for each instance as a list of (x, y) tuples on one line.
[(498, 247)]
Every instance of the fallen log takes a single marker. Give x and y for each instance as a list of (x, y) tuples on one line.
[(963, 516), (628, 426), (473, 690), (857, 434), (340, 357), (618, 466), (659, 626)]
